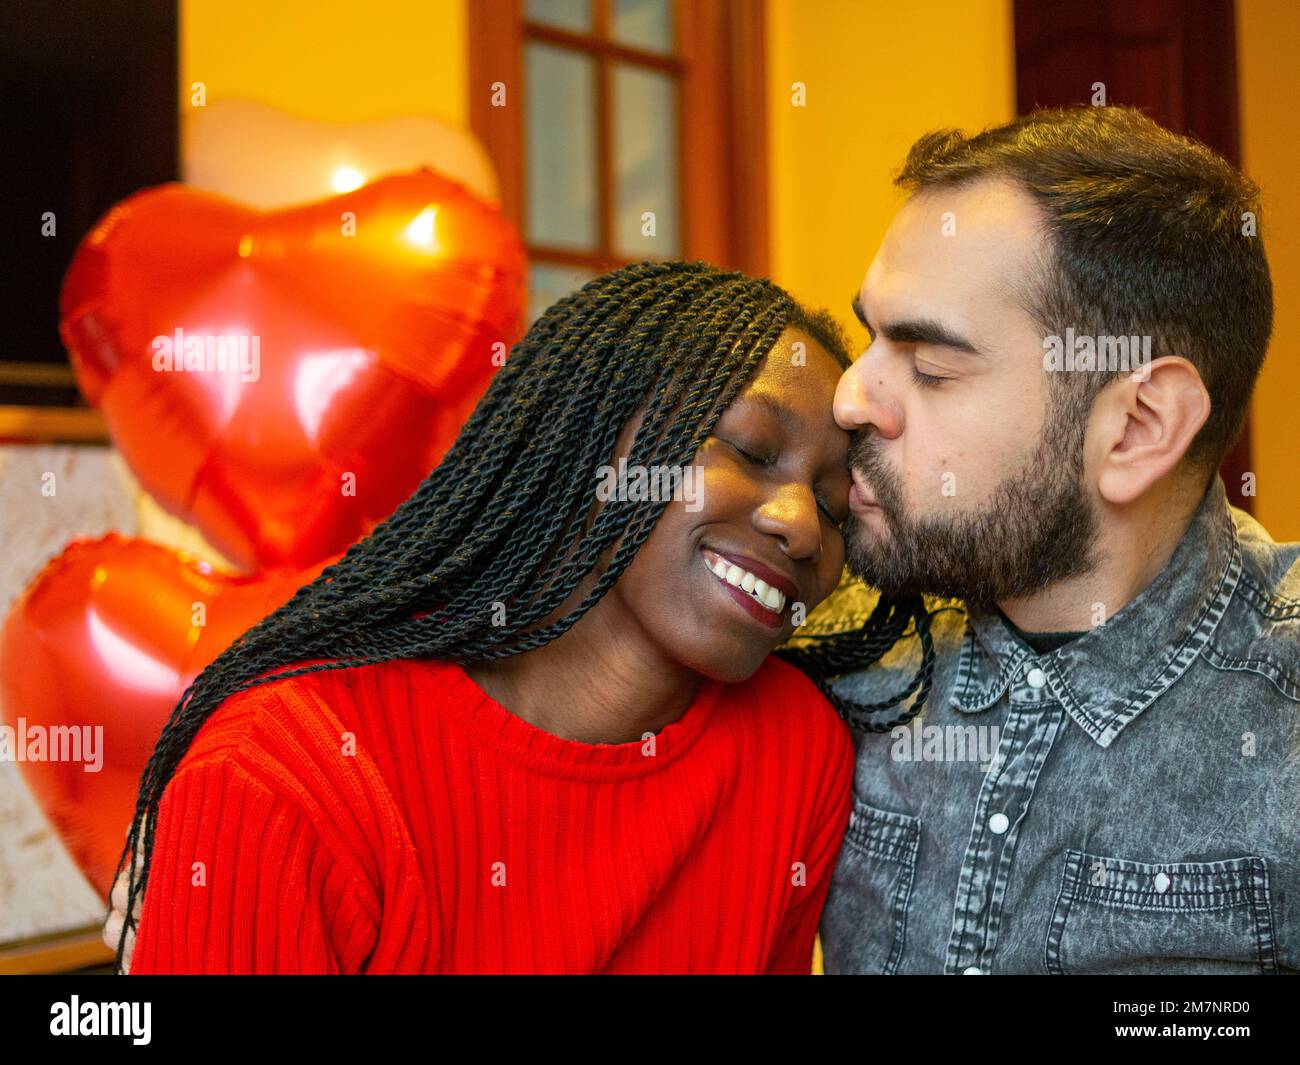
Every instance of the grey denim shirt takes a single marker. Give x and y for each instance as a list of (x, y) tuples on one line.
[(1128, 803)]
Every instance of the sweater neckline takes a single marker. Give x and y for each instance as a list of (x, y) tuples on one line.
[(538, 749)]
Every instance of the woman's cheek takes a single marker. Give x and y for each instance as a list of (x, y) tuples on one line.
[(715, 488)]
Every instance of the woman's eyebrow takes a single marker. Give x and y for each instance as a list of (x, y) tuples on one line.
[(791, 424), (790, 421)]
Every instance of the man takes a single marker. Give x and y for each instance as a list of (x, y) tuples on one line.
[(1105, 775)]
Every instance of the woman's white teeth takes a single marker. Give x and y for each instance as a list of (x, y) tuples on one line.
[(770, 597)]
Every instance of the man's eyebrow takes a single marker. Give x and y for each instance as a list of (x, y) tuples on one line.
[(918, 331)]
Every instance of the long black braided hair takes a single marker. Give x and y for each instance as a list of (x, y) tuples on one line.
[(501, 518)]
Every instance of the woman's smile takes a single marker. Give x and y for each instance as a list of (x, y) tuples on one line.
[(761, 600)]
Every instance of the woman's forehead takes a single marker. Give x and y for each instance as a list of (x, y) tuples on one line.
[(797, 363)]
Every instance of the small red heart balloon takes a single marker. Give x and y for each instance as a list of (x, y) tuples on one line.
[(94, 656), (283, 380)]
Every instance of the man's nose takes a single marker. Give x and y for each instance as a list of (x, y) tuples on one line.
[(864, 397)]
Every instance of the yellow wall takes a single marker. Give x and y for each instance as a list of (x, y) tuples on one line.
[(1268, 41), (332, 60), (879, 73)]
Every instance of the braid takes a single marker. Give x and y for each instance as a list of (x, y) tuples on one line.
[(844, 652), (503, 518)]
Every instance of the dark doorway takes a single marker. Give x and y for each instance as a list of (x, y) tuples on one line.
[(89, 99), (1174, 59)]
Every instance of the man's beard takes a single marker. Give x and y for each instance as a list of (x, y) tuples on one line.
[(1035, 529)]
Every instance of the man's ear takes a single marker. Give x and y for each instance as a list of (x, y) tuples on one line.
[(1143, 423)]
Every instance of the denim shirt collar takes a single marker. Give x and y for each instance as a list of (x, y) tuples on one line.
[(1108, 676)]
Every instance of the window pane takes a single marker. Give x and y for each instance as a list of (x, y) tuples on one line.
[(644, 24), (645, 164), (560, 127), (548, 282), (572, 15)]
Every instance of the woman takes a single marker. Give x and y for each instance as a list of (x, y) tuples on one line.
[(531, 723)]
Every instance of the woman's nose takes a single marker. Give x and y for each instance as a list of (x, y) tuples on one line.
[(864, 397), (791, 514)]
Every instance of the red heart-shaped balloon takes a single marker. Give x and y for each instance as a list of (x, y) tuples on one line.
[(94, 656), (283, 380)]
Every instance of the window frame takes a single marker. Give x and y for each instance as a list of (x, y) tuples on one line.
[(722, 150)]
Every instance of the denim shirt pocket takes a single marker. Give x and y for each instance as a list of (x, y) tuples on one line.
[(1117, 916), (864, 922)]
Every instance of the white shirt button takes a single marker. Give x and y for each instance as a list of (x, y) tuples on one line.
[(1162, 883), (972, 970), (1036, 678), (999, 823)]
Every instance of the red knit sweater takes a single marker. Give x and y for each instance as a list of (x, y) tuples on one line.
[(394, 818)]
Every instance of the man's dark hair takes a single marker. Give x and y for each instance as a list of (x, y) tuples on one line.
[(1150, 234)]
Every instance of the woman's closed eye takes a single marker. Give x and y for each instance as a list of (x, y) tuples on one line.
[(765, 463), (757, 460)]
